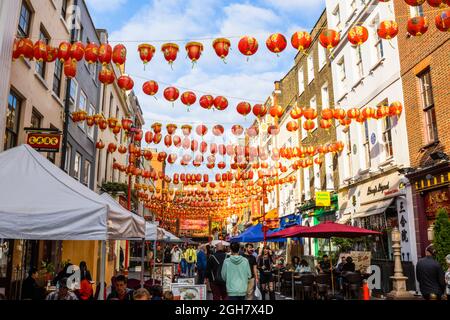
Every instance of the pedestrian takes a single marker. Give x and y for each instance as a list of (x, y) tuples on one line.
[(191, 258), (30, 288), (340, 278), (236, 273), (159, 254), (265, 266), (430, 276), (447, 277), (63, 292), (167, 254), (121, 292), (253, 281), (214, 273), (141, 294), (324, 266), (349, 266), (201, 265), (176, 254), (86, 292)]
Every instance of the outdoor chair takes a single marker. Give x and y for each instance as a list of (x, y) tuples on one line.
[(304, 288), (286, 283), (352, 284), (323, 285)]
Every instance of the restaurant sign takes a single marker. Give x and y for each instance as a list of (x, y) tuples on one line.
[(44, 142), (323, 199), (435, 200)]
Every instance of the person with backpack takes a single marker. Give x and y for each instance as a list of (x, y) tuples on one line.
[(191, 258), (214, 273), (236, 273)]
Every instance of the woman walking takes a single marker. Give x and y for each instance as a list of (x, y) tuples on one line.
[(265, 266)]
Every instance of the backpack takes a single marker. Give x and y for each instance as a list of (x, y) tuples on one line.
[(216, 272)]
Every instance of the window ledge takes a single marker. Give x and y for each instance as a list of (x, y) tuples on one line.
[(26, 62), (64, 24), (54, 4), (57, 99), (387, 162), (342, 97), (379, 63), (41, 80), (429, 145), (365, 171), (360, 81)]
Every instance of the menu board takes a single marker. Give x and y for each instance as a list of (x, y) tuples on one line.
[(164, 273)]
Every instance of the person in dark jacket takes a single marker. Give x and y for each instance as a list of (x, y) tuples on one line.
[(121, 292), (349, 265), (430, 276), (30, 288), (201, 265), (213, 273)]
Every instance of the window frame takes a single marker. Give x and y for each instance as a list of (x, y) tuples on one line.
[(366, 144), (63, 12), (87, 173), (13, 131), (90, 130), (359, 62), (37, 115), (68, 159), (301, 76), (57, 77), (41, 66), (342, 73), (428, 106), (82, 124), (20, 31), (310, 63), (77, 173), (73, 100)]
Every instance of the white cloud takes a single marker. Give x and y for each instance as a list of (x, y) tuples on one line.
[(290, 5), (105, 5)]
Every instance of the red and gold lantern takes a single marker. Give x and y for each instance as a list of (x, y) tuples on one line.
[(358, 35), (221, 47), (119, 54), (91, 53), (329, 39), (218, 130), (325, 124), (104, 54), (221, 103), (309, 125), (100, 145), (414, 3), (125, 82), (276, 111), (395, 109), (259, 110), (150, 87), (237, 129), (146, 52), (194, 51), (276, 43), (70, 68), (292, 126), (301, 40), (248, 46), (201, 130), (64, 51), (40, 51), (170, 51), (188, 98), (77, 51), (106, 76), (272, 130), (310, 113), (206, 101), (442, 21), (244, 108), (417, 26), (171, 94)]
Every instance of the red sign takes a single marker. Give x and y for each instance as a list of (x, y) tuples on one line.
[(45, 142), (435, 200)]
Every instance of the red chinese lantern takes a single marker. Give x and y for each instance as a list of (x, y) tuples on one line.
[(353, 113), (102, 124), (292, 126), (218, 130), (310, 113), (203, 147), (325, 124), (221, 103), (171, 128), (150, 87), (296, 113), (329, 39), (168, 140), (40, 51), (186, 129), (100, 145), (248, 46), (436, 3), (16, 52), (127, 124), (259, 110), (125, 82), (417, 26), (106, 76), (186, 143), (206, 101), (276, 43), (91, 53), (244, 108), (272, 130), (156, 127), (221, 165), (276, 111), (119, 54), (122, 149), (368, 112), (387, 29), (395, 109), (327, 114), (345, 122), (188, 98), (104, 54), (171, 94), (176, 141), (201, 130), (148, 137), (172, 158), (442, 21), (146, 52), (358, 35), (339, 114), (309, 125), (414, 3), (77, 51), (194, 51), (253, 131), (301, 40), (70, 68), (162, 156), (112, 147), (237, 129), (52, 54), (221, 47), (64, 51), (170, 51)]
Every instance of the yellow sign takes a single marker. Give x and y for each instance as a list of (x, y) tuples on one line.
[(323, 199)]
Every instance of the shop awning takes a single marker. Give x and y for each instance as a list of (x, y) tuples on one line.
[(373, 208)]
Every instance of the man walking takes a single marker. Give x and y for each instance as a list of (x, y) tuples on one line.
[(253, 281), (236, 273), (430, 276), (191, 258), (201, 265), (176, 257), (214, 273)]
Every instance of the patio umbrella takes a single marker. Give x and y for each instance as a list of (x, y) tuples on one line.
[(329, 229), (288, 232), (216, 242)]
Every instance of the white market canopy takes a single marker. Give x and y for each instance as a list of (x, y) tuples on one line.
[(39, 201)]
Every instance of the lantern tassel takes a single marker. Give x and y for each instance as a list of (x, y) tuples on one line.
[(390, 43)]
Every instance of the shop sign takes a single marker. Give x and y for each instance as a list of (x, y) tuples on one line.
[(379, 188), (44, 142), (323, 199), (435, 200), (256, 210)]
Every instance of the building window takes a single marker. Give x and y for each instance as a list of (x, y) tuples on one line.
[(111, 102), (367, 144), (41, 65), (311, 67), (387, 132), (77, 167), (329, 171), (316, 170), (57, 75), (12, 120), (82, 105), (349, 152), (64, 9), (337, 17), (51, 156), (416, 11), (90, 130), (426, 93), (36, 119), (306, 183), (24, 20), (322, 56), (325, 97), (301, 81), (341, 70), (378, 41), (87, 173), (73, 92), (79, 34), (107, 166), (99, 173), (313, 104), (359, 62), (68, 158)]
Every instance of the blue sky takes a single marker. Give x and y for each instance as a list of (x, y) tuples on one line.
[(132, 22)]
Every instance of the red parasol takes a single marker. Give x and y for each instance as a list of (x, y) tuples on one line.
[(330, 229), (288, 232)]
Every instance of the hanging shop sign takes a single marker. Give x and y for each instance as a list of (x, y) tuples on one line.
[(44, 142), (323, 199), (256, 211), (435, 200)]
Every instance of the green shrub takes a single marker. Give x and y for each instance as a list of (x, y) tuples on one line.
[(442, 236)]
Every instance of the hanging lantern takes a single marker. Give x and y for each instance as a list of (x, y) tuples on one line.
[(327, 114), (70, 68), (172, 158), (325, 124), (442, 21), (339, 114), (40, 51), (353, 113), (259, 110), (244, 108), (310, 113), (358, 35), (104, 54), (162, 156), (272, 130), (436, 3), (221, 165), (218, 130), (213, 150), (292, 126), (276, 43), (186, 129), (309, 125), (156, 127), (102, 124), (188, 98), (112, 147), (168, 140), (148, 137), (414, 3), (387, 29), (127, 124), (64, 51), (368, 112), (91, 53), (16, 51), (176, 141), (186, 143), (276, 111), (150, 87), (221, 103), (170, 51), (329, 39), (119, 54), (194, 51), (171, 128), (52, 54), (345, 122), (296, 113), (146, 52), (77, 51), (201, 130), (253, 131), (106, 76), (125, 82), (248, 46), (203, 147), (100, 145), (206, 101), (171, 94), (221, 47), (116, 129), (122, 149), (417, 26), (237, 129), (395, 109), (301, 41)]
